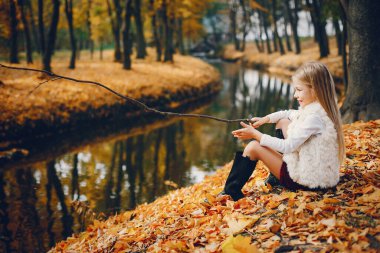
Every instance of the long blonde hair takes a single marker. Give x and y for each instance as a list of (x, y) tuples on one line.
[(318, 77)]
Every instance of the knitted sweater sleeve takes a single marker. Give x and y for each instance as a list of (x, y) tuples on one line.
[(312, 125), (285, 114)]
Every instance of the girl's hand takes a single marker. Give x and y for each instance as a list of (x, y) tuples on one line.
[(256, 121), (246, 133)]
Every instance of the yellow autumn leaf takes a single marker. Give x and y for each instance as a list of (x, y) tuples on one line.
[(238, 244), (238, 224), (372, 197)]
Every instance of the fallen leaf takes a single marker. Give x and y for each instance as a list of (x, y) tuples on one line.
[(238, 244)]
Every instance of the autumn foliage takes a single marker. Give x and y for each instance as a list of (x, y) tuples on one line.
[(344, 219)]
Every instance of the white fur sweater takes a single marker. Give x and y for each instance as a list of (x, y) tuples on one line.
[(311, 148)]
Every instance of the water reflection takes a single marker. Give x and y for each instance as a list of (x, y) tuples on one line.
[(116, 175)]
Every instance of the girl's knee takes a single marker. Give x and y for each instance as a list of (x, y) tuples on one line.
[(251, 149)]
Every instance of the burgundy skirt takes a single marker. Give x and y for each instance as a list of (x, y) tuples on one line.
[(287, 181)]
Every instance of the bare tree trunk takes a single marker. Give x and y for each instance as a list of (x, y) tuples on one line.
[(338, 35), (28, 41), (41, 28), (287, 39), (286, 22), (127, 41), (168, 31), (275, 30), (101, 49), (115, 24), (140, 40), (51, 36), (37, 45), (344, 50), (293, 23), (180, 44), (265, 25), (362, 100), (233, 10), (118, 9), (69, 15), (157, 41), (88, 22), (320, 24), (13, 56), (245, 24)]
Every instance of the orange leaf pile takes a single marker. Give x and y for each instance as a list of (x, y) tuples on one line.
[(345, 219)]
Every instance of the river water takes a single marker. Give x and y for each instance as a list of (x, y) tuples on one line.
[(36, 209)]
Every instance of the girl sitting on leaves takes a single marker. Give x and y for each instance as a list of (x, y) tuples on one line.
[(308, 148)]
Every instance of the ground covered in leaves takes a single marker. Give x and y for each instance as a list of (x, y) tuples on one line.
[(345, 219), (62, 102), (285, 65)]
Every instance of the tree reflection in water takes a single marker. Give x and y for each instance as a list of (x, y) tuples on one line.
[(117, 175)]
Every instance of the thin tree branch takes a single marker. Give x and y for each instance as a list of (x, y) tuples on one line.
[(35, 88), (134, 101)]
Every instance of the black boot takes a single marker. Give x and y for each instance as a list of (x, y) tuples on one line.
[(271, 179), (241, 171)]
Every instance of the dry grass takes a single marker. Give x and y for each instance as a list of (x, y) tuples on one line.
[(56, 100)]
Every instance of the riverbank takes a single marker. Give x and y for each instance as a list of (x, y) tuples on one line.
[(345, 219), (285, 65), (61, 105)]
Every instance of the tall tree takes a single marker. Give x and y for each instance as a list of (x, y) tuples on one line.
[(180, 44), (13, 56), (52, 34), (293, 20), (264, 22), (88, 22), (154, 23), (116, 25), (338, 35), (246, 23), (168, 21), (41, 27), (319, 26), (344, 48), (127, 40), (25, 23), (362, 97), (233, 23), (286, 22), (69, 16), (140, 39), (34, 29), (277, 38)]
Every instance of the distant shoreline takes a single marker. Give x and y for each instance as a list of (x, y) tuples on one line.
[(62, 105)]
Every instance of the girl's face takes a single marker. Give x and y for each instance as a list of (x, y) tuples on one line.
[(303, 93)]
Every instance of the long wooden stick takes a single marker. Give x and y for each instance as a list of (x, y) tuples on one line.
[(134, 101)]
